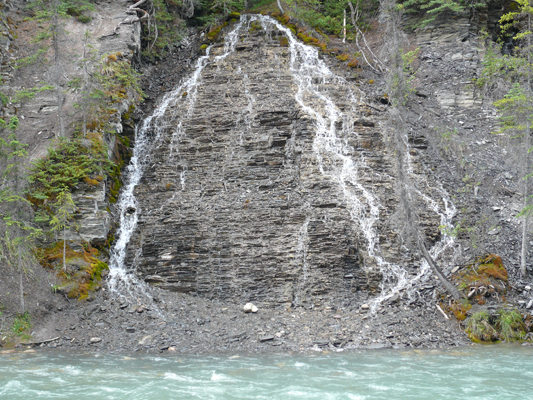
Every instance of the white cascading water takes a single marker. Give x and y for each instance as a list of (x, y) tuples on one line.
[(122, 280), (331, 152), (329, 149)]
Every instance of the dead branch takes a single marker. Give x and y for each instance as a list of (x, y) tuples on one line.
[(442, 312), (133, 9), (355, 14), (40, 341), (452, 290)]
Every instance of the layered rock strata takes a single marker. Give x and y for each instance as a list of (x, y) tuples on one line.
[(235, 202)]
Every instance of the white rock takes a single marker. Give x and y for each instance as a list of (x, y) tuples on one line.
[(249, 307), (96, 340), (171, 349), (528, 287), (365, 307)]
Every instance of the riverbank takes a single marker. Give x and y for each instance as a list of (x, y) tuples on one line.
[(181, 323)]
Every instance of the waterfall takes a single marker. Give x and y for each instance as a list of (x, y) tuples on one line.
[(331, 151), (329, 148), (148, 135)]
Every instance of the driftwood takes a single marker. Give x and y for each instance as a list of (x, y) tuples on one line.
[(40, 342), (452, 290), (442, 312)]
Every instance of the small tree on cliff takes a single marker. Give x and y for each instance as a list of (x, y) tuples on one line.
[(398, 91), (64, 208), (517, 106), (17, 235)]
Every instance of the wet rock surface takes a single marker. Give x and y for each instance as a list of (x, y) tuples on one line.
[(236, 204)]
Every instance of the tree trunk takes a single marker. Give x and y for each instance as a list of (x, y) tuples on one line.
[(447, 284), (344, 28), (352, 13), (398, 89), (57, 67), (280, 8), (65, 249), (21, 284), (21, 280)]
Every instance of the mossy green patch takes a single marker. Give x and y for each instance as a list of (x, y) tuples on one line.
[(485, 277), (343, 57), (84, 270), (234, 15), (508, 325)]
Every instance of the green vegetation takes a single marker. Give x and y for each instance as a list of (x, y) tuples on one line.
[(17, 232), (328, 16), (71, 161), (165, 29), (83, 273), (507, 79), (427, 11), (24, 62), (507, 325), (27, 94), (510, 325), (480, 328), (44, 9), (117, 81), (64, 208), (22, 325)]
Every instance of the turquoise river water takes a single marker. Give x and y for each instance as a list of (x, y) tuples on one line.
[(474, 372)]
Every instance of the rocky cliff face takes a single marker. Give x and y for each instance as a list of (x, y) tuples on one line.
[(39, 116), (271, 182)]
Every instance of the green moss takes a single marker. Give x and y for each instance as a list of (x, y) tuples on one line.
[(255, 26), (203, 47), (84, 270), (116, 183), (214, 33), (124, 140), (234, 15), (343, 57)]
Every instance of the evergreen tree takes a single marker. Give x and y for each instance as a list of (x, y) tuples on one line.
[(17, 235), (64, 209), (517, 106)]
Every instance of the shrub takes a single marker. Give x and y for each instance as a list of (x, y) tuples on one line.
[(510, 325), (480, 329)]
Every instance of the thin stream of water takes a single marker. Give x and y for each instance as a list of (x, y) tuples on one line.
[(148, 135), (330, 150)]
